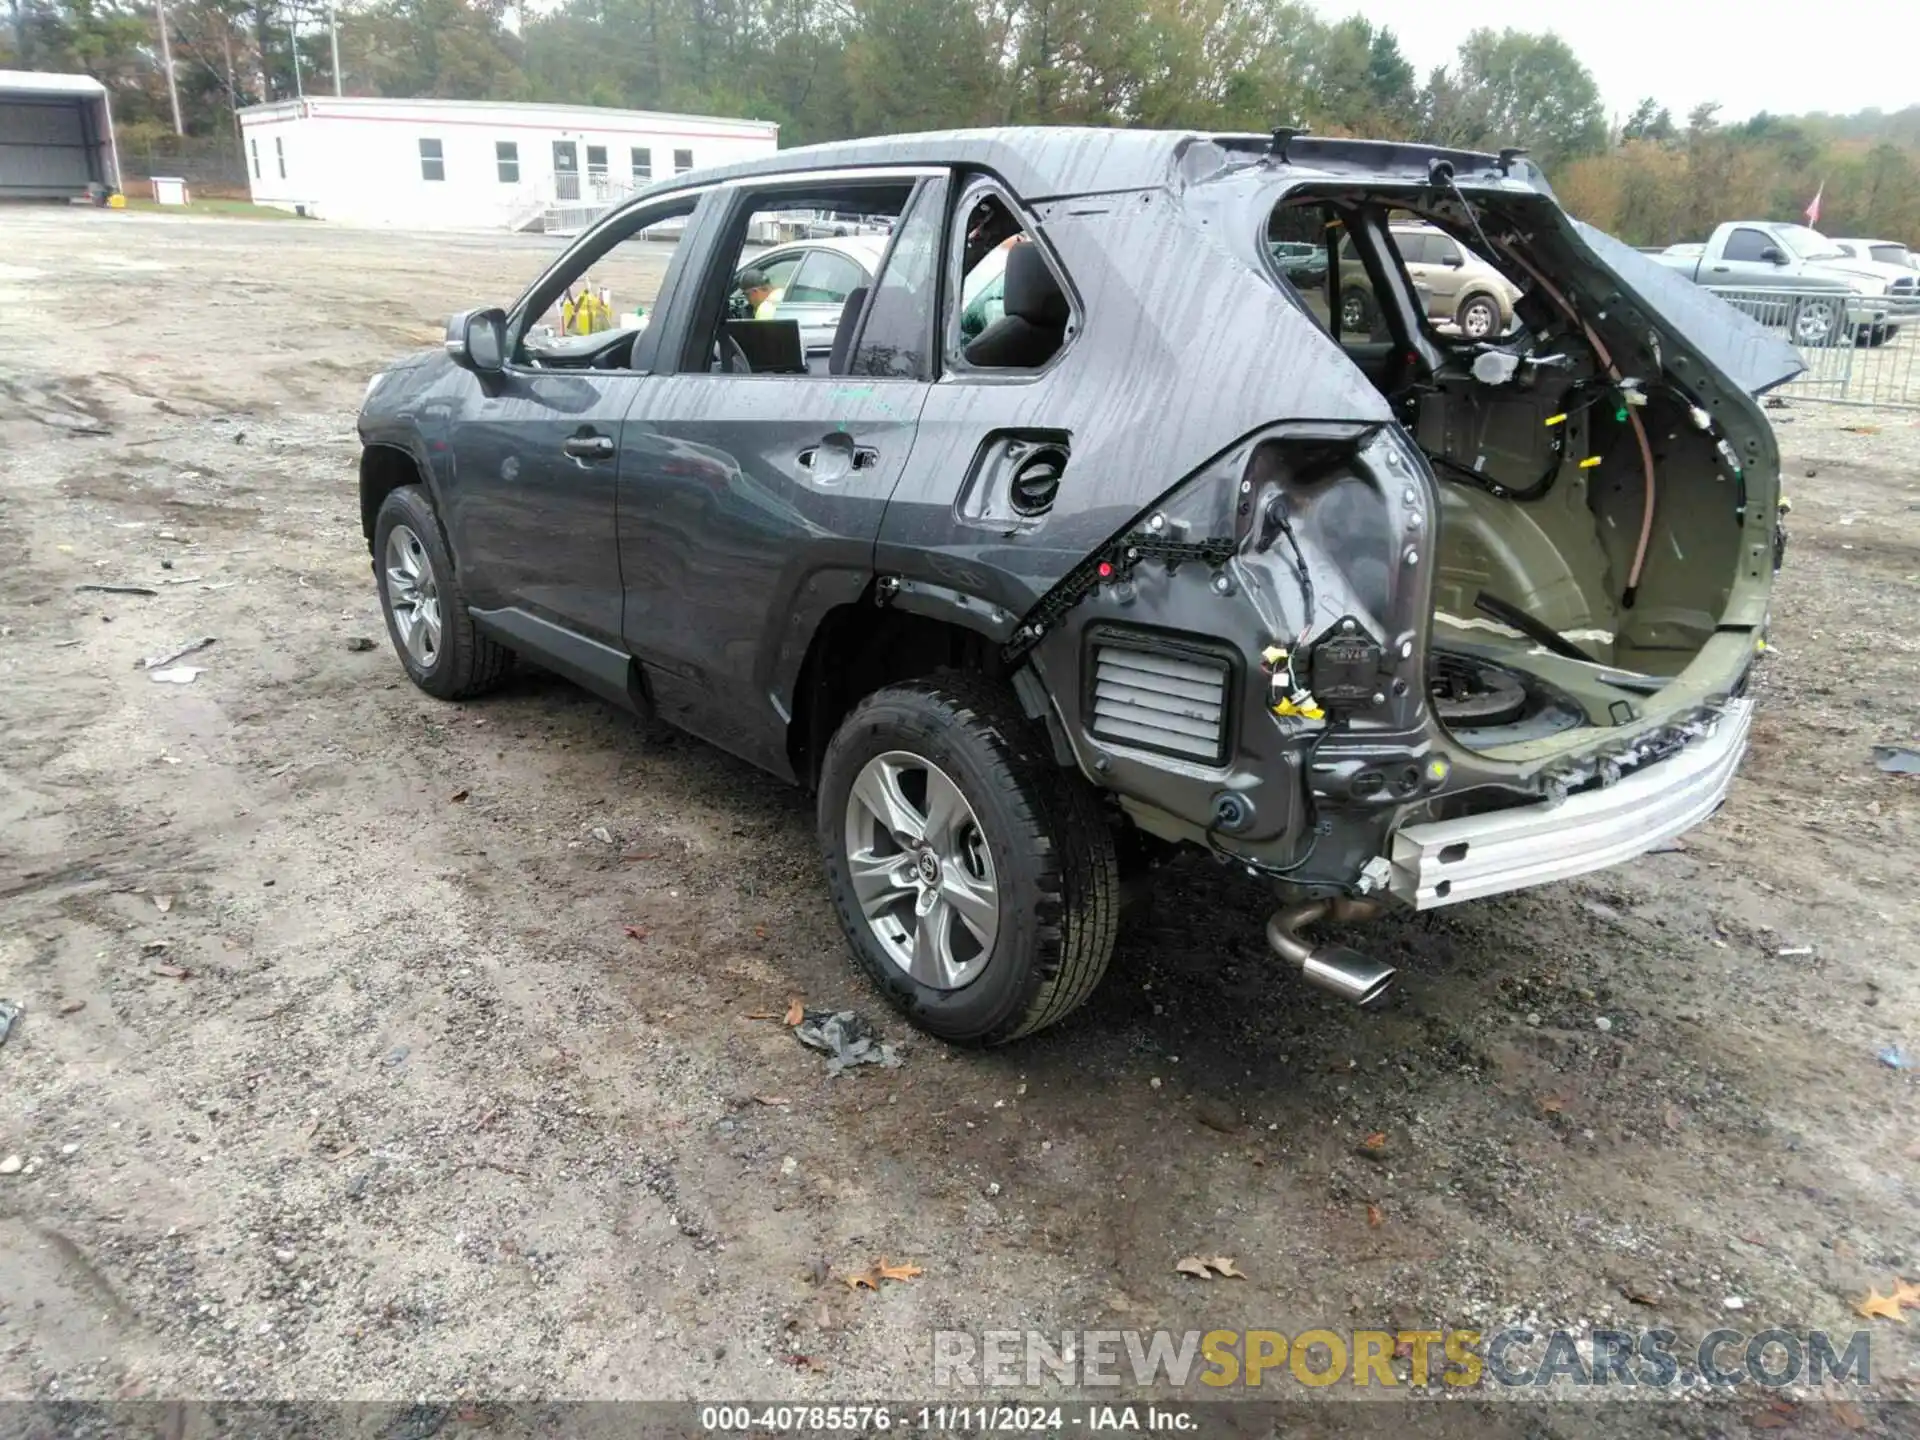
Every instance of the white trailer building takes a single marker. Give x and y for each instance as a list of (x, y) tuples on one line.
[(464, 165)]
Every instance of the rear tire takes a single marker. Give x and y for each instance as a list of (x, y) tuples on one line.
[(1478, 317), (1024, 832), (1356, 312), (426, 610)]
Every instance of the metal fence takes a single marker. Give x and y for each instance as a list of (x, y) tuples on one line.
[(1858, 349), (206, 163)]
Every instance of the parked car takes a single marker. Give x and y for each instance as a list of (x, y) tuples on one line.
[(1762, 255), (1456, 286), (1160, 560), (811, 280)]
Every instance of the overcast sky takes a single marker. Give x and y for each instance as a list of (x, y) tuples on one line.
[(1784, 58)]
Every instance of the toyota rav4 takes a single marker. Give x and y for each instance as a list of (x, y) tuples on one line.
[(1162, 556)]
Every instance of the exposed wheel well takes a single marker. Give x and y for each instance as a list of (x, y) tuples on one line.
[(861, 647), (383, 470)]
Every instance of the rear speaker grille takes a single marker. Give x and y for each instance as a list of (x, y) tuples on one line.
[(1154, 700)]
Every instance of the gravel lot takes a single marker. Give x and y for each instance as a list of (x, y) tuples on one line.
[(341, 1073)]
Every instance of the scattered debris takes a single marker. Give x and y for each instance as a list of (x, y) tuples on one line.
[(846, 1038), (163, 903), (602, 834), (1894, 1058), (1376, 1217), (116, 590), (155, 662), (1792, 950), (1552, 1105), (1374, 1144), (9, 1014), (1640, 1294), (71, 1007), (885, 1269), (359, 644), (176, 675), (789, 1165), (796, 1011), (1897, 759), (1602, 1024), (634, 932), (459, 797), (12, 1165), (1734, 1302), (1222, 1265), (773, 1099), (173, 972)]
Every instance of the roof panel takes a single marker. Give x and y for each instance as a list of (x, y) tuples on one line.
[(41, 82)]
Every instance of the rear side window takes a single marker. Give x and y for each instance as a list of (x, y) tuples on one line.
[(1747, 245), (1014, 312)]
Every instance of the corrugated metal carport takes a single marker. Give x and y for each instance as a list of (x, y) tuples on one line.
[(56, 136)]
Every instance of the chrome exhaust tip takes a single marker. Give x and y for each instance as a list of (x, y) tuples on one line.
[(1348, 974), (1333, 968)]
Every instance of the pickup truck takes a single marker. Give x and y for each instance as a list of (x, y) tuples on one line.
[(1754, 257)]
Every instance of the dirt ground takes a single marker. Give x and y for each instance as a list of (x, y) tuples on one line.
[(341, 1073)]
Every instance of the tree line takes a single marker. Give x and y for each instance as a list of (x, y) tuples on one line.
[(826, 69)]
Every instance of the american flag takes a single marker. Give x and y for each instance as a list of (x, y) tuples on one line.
[(1813, 205)]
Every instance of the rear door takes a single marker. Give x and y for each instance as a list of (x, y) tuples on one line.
[(815, 295), (746, 500), (1741, 264)]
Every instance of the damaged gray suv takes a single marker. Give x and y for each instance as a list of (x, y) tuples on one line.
[(1156, 555)]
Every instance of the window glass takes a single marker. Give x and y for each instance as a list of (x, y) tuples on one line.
[(682, 161), (826, 279), (506, 154), (596, 162), (432, 163), (253, 147), (1747, 245), (1415, 247), (642, 164), (1890, 254), (280, 154), (1441, 250), (896, 335)]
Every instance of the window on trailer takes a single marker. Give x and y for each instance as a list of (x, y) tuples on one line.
[(642, 165), (506, 154), (280, 155), (682, 161), (433, 164), (253, 148), (597, 163)]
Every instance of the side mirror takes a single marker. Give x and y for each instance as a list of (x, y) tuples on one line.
[(1774, 254), (1455, 260), (477, 340)]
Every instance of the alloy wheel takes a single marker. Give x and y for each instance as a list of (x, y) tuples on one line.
[(413, 596), (921, 870)]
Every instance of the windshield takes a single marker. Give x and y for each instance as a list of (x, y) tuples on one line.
[(1892, 255), (1808, 244)]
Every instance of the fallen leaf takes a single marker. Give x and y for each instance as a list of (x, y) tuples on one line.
[(887, 1270), (1195, 1266), (1848, 1416), (163, 903), (1224, 1265), (1341, 1067), (173, 972), (459, 797), (865, 1279), (1638, 1296), (1770, 1420), (1376, 1141), (1672, 1117), (72, 1007), (1375, 1216), (799, 1362), (759, 932), (1905, 1294), (773, 1099), (1883, 1306), (1552, 1105), (796, 1010), (634, 932)]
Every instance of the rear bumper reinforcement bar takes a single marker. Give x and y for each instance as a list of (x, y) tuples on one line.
[(1446, 861)]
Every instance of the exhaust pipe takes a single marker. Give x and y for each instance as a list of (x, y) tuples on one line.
[(1333, 968)]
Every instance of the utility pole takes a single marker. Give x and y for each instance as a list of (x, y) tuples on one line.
[(166, 59), (293, 45), (333, 30)]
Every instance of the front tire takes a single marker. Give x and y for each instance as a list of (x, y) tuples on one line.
[(1478, 317), (975, 879), (1816, 324), (426, 609)]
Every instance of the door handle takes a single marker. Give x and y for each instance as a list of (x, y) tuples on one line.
[(589, 447), (864, 457), (1719, 269)]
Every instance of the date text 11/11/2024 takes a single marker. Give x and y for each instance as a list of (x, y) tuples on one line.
[(972, 1419)]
